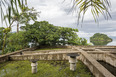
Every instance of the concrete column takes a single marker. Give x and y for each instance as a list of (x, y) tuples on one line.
[(72, 61), (34, 67)]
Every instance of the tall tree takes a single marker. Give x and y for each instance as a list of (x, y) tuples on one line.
[(8, 8), (25, 16)]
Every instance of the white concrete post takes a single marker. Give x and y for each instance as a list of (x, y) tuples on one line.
[(34, 67), (72, 61)]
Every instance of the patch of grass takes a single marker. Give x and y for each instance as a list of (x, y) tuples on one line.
[(45, 69)]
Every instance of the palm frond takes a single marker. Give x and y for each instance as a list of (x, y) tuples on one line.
[(11, 7), (97, 7)]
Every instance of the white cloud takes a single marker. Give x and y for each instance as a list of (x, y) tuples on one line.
[(54, 11), (112, 33), (84, 34)]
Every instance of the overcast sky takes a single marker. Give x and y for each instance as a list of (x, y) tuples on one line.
[(58, 13)]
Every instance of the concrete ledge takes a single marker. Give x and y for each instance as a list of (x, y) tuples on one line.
[(43, 56), (95, 67), (5, 57), (47, 51), (40, 57), (106, 57)]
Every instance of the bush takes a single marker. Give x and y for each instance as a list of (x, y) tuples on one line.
[(16, 41)]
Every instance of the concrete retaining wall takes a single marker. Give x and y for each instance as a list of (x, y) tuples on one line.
[(40, 57), (106, 57), (5, 57), (95, 67)]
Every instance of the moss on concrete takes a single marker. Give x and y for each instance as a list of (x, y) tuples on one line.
[(45, 69)]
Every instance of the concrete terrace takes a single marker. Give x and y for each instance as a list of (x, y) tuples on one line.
[(89, 55)]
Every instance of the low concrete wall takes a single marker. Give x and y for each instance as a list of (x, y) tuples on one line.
[(97, 47), (43, 56), (95, 67), (40, 57), (47, 51), (106, 57), (5, 57)]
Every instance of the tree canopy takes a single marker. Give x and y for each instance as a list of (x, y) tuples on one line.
[(43, 33), (100, 39)]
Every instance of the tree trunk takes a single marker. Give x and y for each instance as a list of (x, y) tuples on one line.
[(4, 42), (17, 27)]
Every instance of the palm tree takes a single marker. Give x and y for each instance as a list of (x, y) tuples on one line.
[(25, 16), (11, 7), (97, 7)]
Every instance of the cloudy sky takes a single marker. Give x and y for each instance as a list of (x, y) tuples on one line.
[(59, 13)]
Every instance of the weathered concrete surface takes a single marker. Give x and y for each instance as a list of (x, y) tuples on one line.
[(108, 49), (72, 61), (47, 51), (40, 57), (106, 57), (97, 69), (43, 56), (34, 67), (5, 57)]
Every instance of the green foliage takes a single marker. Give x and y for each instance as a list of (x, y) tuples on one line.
[(67, 35), (1, 37), (28, 14), (45, 69), (41, 34), (100, 39), (97, 7), (25, 16), (45, 34), (6, 30), (7, 8), (83, 41), (16, 41)]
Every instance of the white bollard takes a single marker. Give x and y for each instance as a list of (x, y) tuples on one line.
[(34, 67)]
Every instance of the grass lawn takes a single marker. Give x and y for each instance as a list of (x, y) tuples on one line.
[(45, 69)]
